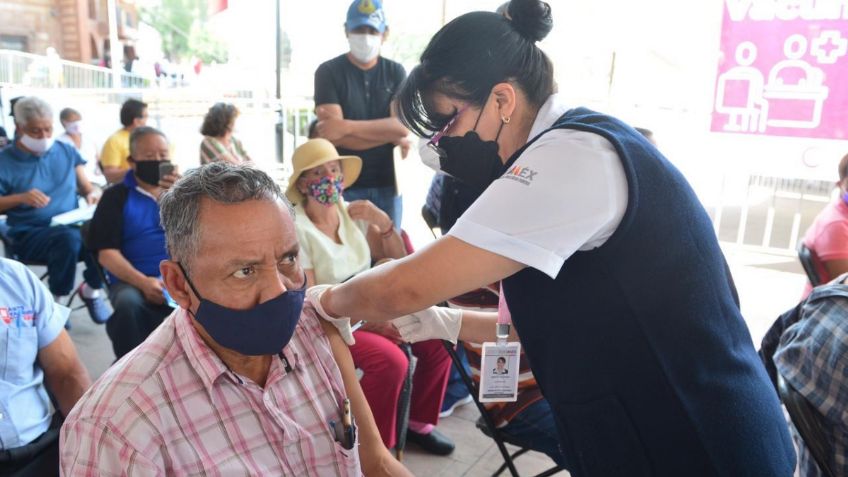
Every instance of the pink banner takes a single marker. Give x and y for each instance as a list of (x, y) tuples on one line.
[(783, 69)]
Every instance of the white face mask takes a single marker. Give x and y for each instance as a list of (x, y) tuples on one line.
[(38, 146), (74, 127), (428, 155), (364, 47)]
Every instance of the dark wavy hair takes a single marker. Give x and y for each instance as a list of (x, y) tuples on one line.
[(218, 119), (474, 52)]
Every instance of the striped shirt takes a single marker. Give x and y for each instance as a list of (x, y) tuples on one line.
[(813, 357), (172, 407), (213, 150)]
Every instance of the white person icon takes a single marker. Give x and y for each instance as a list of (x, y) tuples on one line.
[(795, 88), (739, 93)]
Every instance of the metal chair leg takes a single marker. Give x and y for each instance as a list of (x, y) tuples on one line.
[(404, 404), (485, 414)]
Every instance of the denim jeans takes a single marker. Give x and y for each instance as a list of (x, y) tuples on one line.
[(385, 198), (59, 247), (535, 428), (134, 318)]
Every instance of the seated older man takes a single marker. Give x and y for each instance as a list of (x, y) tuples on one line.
[(39, 179), (240, 379), (129, 241), (36, 355)]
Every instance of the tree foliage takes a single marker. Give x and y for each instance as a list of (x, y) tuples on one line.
[(185, 31)]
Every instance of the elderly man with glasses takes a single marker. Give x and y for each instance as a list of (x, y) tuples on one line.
[(241, 379)]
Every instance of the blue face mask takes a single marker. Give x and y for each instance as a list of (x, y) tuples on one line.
[(264, 329)]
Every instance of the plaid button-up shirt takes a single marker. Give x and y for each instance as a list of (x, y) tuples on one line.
[(172, 407), (813, 357)]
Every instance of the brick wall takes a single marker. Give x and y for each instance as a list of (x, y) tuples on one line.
[(62, 24)]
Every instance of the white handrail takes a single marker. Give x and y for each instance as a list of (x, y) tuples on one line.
[(27, 69)]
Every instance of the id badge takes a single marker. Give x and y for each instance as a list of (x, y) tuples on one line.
[(499, 372)]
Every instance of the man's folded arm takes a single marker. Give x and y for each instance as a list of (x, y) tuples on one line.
[(357, 135)]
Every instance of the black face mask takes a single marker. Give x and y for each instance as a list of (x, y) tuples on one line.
[(148, 171), (470, 159)]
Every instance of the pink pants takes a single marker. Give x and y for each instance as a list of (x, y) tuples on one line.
[(384, 366)]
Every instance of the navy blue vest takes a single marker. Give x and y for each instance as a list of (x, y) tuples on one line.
[(639, 345)]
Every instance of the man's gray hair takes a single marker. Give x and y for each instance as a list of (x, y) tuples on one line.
[(31, 108), (140, 132), (179, 206)]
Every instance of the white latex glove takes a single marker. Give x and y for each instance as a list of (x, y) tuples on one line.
[(431, 323), (313, 295)]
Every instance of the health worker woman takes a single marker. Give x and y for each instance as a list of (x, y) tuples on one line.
[(609, 264)]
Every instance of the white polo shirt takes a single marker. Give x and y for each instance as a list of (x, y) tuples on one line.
[(566, 192)]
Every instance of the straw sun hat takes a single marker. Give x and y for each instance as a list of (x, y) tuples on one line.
[(313, 153)]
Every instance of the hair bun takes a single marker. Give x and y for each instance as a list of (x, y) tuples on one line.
[(532, 19)]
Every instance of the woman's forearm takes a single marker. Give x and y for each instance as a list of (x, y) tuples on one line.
[(438, 272), (365, 296)]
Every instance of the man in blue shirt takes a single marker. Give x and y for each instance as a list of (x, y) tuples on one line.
[(129, 241), (36, 354), (39, 179)]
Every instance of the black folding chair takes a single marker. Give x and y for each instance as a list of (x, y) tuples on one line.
[(486, 424), (808, 421), (8, 253), (805, 256), (430, 219), (404, 403)]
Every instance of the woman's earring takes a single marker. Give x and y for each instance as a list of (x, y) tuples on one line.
[(505, 119)]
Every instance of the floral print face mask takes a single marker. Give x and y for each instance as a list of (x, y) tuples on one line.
[(326, 190)]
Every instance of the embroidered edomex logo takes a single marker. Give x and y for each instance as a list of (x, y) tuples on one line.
[(521, 174), (366, 7)]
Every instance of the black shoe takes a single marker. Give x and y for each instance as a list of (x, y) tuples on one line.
[(435, 442)]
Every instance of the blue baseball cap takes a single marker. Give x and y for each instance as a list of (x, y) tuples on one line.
[(366, 13)]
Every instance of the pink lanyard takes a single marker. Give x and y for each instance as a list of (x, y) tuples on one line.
[(504, 318)]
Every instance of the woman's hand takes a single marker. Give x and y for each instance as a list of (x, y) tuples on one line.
[(367, 211), (431, 323), (313, 295)]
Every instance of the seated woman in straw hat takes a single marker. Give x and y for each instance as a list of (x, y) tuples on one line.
[(339, 240)]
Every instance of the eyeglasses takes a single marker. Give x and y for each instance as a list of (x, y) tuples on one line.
[(433, 143)]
